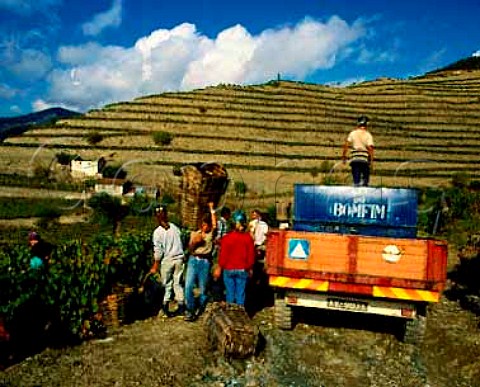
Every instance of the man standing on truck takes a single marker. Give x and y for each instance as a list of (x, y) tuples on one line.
[(360, 144)]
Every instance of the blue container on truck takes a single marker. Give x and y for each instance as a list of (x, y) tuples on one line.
[(356, 210)]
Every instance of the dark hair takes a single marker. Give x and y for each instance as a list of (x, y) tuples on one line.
[(225, 211), (161, 212), (160, 208), (207, 219), (33, 236)]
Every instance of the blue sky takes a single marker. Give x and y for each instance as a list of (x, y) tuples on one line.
[(84, 54)]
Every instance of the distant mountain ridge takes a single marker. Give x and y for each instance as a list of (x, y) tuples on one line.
[(17, 125), (470, 63)]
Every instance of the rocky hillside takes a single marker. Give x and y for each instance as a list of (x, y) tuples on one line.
[(272, 135)]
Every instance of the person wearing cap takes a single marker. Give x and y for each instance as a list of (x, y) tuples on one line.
[(168, 254), (40, 250), (360, 144), (237, 256), (35, 331)]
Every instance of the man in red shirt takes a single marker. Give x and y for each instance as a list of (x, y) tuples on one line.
[(237, 253)]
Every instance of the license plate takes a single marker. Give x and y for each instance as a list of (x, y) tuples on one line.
[(340, 303)]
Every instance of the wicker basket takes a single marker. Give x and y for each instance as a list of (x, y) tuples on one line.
[(201, 183), (231, 331), (114, 306)]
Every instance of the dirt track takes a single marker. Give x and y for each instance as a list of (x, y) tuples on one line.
[(39, 193), (324, 349)]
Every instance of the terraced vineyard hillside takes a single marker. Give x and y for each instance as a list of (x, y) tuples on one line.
[(426, 130)]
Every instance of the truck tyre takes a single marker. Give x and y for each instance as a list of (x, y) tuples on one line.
[(283, 315), (415, 330)]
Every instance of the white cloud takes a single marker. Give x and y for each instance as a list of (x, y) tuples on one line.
[(476, 54), (40, 104), (89, 54), (110, 18), (308, 47), (6, 92), (27, 7), (224, 60), (181, 59), (15, 109), (28, 64)]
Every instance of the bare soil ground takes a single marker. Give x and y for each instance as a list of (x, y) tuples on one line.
[(324, 349)]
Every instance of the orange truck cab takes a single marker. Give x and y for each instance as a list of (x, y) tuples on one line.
[(354, 249)]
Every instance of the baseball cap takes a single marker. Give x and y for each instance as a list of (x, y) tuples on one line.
[(239, 217), (362, 120), (33, 236)]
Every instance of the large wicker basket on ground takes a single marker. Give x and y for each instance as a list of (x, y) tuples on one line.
[(231, 331), (201, 183), (114, 306)]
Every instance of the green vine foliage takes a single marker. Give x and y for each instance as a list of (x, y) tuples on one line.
[(78, 276), (17, 282)]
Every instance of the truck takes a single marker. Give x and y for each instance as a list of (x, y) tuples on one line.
[(356, 250)]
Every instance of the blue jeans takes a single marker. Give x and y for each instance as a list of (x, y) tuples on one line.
[(235, 283), (360, 172), (198, 273)]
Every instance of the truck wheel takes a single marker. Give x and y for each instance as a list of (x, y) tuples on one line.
[(283, 315), (415, 330)]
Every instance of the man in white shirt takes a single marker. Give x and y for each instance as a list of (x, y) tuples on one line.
[(360, 144), (258, 292), (259, 230), (168, 254)]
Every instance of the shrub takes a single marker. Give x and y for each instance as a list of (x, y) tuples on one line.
[(162, 138), (114, 172), (41, 172), (460, 180), (240, 188), (272, 216), (107, 210), (167, 199), (105, 206), (326, 166), (93, 138), (64, 158)]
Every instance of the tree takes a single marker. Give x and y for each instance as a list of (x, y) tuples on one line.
[(107, 210), (240, 188), (162, 138), (64, 158), (114, 172)]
